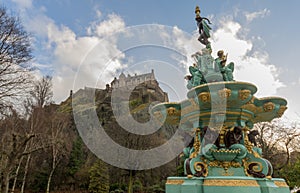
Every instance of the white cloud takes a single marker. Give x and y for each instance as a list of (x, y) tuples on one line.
[(225, 38), (79, 61), (73, 58), (255, 67), (112, 24), (258, 14)]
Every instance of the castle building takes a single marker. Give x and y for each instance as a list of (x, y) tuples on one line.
[(144, 83), (144, 87), (129, 81)]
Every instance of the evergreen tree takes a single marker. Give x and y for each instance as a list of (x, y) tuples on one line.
[(292, 174), (99, 178), (76, 156)]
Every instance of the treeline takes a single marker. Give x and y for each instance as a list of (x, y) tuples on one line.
[(280, 144), (42, 152)]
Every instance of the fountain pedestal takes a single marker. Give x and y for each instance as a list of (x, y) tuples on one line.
[(225, 184)]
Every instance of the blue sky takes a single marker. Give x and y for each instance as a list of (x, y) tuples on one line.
[(260, 36)]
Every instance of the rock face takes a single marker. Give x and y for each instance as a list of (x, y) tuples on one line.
[(125, 98), (138, 98)]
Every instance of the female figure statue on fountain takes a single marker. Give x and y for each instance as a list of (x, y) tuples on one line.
[(203, 27)]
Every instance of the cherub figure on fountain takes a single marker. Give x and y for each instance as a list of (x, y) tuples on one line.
[(220, 66)]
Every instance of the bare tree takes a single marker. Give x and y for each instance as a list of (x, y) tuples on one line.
[(15, 53), (38, 121), (35, 122), (14, 145), (277, 141), (58, 143), (42, 91)]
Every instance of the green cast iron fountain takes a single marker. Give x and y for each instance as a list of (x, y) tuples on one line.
[(221, 112)]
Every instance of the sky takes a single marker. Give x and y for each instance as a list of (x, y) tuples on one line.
[(89, 42)]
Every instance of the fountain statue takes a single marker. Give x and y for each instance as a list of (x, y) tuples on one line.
[(221, 112)]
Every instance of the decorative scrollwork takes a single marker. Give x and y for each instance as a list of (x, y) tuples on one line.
[(253, 169), (201, 169)]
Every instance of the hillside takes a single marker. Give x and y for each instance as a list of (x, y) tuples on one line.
[(141, 98)]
